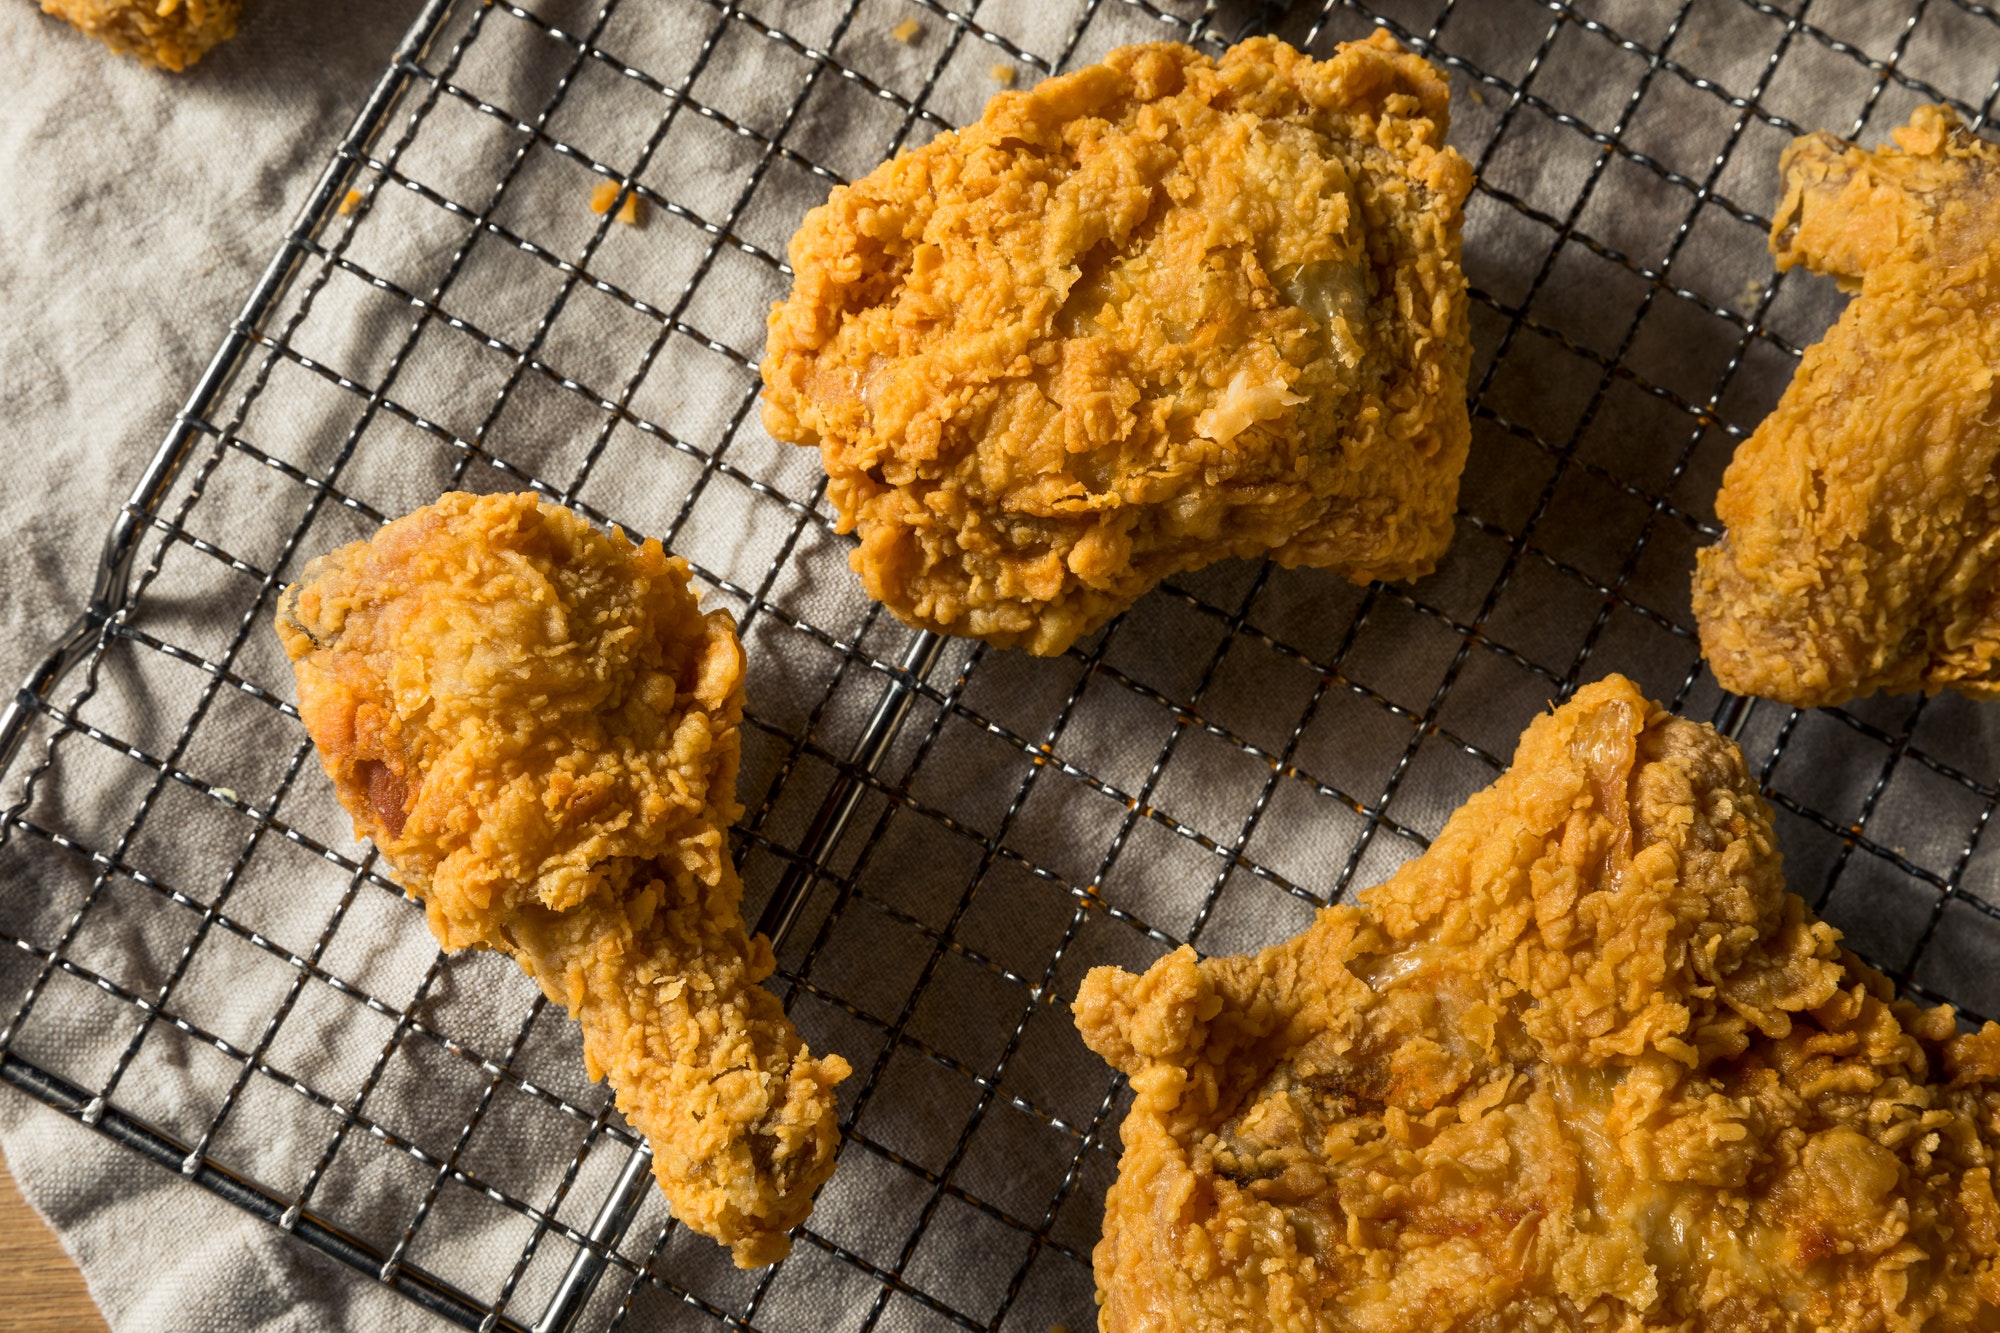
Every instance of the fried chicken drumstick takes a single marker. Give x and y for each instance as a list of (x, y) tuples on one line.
[(539, 730), (1584, 1064), (1863, 550), (1156, 313)]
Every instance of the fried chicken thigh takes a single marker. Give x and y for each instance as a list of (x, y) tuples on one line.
[(1584, 1064), (539, 730), (166, 34), (1153, 314), (1863, 550)]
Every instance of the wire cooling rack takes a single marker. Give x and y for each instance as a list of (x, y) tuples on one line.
[(206, 968)]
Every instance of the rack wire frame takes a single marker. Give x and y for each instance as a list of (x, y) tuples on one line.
[(844, 763)]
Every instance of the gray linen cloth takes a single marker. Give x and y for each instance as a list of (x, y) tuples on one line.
[(141, 207)]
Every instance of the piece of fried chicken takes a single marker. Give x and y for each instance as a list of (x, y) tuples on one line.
[(1863, 550), (539, 729), (1153, 314), (165, 34), (1582, 1065)]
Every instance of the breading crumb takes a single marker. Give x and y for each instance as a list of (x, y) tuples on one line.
[(606, 193), (349, 202), (907, 31), (1003, 75)]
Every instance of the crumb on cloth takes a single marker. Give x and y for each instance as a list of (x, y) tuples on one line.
[(606, 194)]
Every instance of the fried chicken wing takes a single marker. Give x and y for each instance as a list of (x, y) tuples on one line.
[(1153, 314), (1863, 544), (166, 34), (1584, 1064), (539, 730)]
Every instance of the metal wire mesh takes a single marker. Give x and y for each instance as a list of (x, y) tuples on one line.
[(949, 834)]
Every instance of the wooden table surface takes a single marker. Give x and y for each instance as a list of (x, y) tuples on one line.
[(45, 1293)]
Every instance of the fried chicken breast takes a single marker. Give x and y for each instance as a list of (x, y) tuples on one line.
[(539, 730), (1156, 313), (1584, 1064), (166, 34), (1863, 550)]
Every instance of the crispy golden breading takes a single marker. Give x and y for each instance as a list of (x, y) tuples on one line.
[(1153, 314), (1582, 1065), (166, 34), (1863, 550), (539, 729)]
